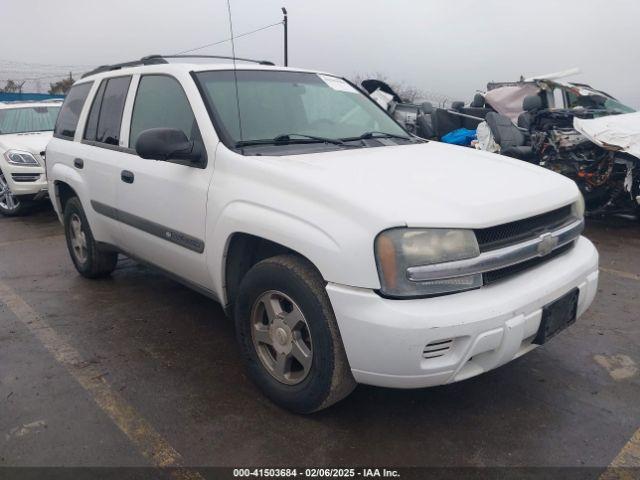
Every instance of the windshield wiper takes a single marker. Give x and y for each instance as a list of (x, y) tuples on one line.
[(287, 139), (376, 134)]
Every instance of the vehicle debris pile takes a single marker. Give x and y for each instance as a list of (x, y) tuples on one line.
[(570, 128)]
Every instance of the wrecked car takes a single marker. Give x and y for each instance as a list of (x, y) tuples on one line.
[(573, 129), (545, 121), (415, 118)]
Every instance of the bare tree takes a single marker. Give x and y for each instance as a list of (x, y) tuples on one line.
[(12, 87), (61, 87)]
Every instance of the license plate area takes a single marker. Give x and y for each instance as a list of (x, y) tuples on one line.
[(557, 316)]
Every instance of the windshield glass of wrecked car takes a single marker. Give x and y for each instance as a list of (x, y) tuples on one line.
[(293, 107), (597, 101), (27, 119)]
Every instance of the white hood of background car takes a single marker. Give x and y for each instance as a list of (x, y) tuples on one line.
[(622, 131), (35, 142), (428, 185)]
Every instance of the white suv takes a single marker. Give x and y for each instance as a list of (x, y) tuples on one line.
[(25, 130), (346, 250)]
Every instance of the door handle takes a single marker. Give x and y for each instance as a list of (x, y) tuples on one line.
[(78, 163), (127, 177)]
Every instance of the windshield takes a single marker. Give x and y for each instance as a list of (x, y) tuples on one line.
[(288, 105), (596, 101), (28, 119)]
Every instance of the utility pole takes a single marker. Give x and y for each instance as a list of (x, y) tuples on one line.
[(285, 22)]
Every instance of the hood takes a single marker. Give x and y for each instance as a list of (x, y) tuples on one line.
[(428, 185), (619, 131), (35, 142)]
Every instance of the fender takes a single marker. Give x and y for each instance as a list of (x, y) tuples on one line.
[(66, 174), (292, 232)]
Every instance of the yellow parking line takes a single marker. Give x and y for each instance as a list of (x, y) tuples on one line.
[(140, 432), (620, 273), (625, 465)]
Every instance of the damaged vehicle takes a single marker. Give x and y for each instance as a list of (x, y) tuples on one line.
[(570, 128), (415, 118), (424, 119), (573, 129)]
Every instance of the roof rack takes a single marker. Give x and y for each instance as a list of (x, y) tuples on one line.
[(161, 59)]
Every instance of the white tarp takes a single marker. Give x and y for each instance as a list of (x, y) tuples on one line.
[(382, 98), (507, 100), (622, 131), (485, 139)]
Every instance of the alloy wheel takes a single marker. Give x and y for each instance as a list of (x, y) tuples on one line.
[(8, 200), (281, 337), (78, 238)]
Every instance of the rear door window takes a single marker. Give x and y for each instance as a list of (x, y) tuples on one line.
[(161, 103), (70, 112), (105, 117)]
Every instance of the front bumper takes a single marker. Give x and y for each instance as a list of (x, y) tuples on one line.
[(25, 180), (434, 341)]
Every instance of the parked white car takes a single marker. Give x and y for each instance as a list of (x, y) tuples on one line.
[(25, 130), (346, 250)]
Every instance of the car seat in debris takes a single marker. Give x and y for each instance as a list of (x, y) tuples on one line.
[(511, 139), (424, 122), (477, 108), (445, 122), (531, 105)]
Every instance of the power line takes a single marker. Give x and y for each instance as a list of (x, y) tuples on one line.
[(229, 39)]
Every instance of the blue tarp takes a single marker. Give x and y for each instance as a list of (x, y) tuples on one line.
[(461, 136), (27, 97)]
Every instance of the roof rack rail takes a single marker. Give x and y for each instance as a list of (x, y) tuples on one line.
[(161, 59), (251, 60), (149, 60)]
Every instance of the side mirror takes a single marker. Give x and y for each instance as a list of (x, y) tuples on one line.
[(167, 144)]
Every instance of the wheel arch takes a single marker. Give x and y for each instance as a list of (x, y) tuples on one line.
[(243, 251), (62, 193)]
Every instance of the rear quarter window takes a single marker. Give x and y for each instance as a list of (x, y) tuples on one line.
[(67, 122), (105, 117)]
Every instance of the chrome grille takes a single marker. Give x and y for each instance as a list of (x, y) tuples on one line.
[(527, 247), (509, 233)]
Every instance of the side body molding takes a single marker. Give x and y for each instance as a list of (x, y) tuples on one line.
[(152, 228)]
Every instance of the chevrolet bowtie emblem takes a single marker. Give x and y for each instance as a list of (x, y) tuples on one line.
[(547, 243)]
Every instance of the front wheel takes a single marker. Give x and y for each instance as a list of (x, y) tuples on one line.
[(10, 205), (289, 336), (88, 258)]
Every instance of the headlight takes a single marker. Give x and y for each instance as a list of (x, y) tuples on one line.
[(17, 157), (577, 209), (400, 248)]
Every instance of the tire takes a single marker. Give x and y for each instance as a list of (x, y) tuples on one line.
[(291, 284), (10, 205), (87, 257)]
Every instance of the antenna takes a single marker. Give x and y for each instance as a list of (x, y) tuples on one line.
[(235, 68), (285, 22)]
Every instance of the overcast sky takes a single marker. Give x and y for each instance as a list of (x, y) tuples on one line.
[(448, 47)]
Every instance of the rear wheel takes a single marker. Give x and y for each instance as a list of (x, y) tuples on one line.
[(88, 258), (289, 336), (10, 205)]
